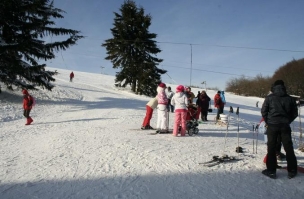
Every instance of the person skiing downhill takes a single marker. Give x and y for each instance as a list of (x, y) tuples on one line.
[(71, 76), (27, 106)]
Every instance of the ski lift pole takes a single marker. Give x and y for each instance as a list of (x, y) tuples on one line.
[(238, 129), (301, 146)]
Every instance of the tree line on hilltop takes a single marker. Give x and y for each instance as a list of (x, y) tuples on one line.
[(292, 73)]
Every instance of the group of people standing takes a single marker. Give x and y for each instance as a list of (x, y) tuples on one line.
[(278, 111), (177, 103)]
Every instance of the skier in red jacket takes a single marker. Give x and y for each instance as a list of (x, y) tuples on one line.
[(71, 76), (27, 106), (219, 104)]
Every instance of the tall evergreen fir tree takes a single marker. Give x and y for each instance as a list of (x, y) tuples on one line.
[(23, 26), (133, 50)]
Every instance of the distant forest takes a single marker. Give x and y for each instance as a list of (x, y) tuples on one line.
[(292, 73)]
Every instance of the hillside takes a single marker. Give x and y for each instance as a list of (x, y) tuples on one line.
[(85, 142)]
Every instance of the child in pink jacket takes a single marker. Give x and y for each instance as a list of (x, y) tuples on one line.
[(180, 102)]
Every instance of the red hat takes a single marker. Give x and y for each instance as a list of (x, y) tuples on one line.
[(180, 88), (162, 85), (24, 92)]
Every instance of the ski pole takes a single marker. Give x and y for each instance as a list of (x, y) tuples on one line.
[(257, 138), (228, 119), (237, 112), (168, 118), (252, 138), (225, 140)]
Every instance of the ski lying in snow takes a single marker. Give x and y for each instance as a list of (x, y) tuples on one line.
[(161, 132), (300, 169), (142, 129), (218, 160), (214, 159)]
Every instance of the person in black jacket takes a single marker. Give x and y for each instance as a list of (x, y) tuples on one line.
[(203, 103), (278, 111)]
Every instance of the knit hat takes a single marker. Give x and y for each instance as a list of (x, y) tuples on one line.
[(162, 85), (219, 92), (24, 92), (278, 82), (180, 88)]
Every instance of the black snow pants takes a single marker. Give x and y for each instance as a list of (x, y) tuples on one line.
[(273, 131)]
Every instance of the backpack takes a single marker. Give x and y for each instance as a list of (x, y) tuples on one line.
[(223, 97), (32, 101)]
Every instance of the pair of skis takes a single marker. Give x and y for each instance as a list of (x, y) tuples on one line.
[(216, 160)]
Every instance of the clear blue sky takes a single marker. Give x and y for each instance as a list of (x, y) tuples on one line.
[(228, 38)]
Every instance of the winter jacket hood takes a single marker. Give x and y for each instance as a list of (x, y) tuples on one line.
[(278, 107), (279, 90), (179, 101), (25, 92)]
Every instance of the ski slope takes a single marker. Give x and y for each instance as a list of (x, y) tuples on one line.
[(85, 142)]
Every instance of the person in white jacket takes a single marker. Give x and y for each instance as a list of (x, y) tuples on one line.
[(180, 103), (162, 116), (169, 96)]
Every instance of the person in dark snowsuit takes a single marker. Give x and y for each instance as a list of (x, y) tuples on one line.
[(203, 103), (278, 111)]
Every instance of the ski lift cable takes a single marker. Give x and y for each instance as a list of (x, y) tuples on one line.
[(168, 75), (63, 60), (60, 53)]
